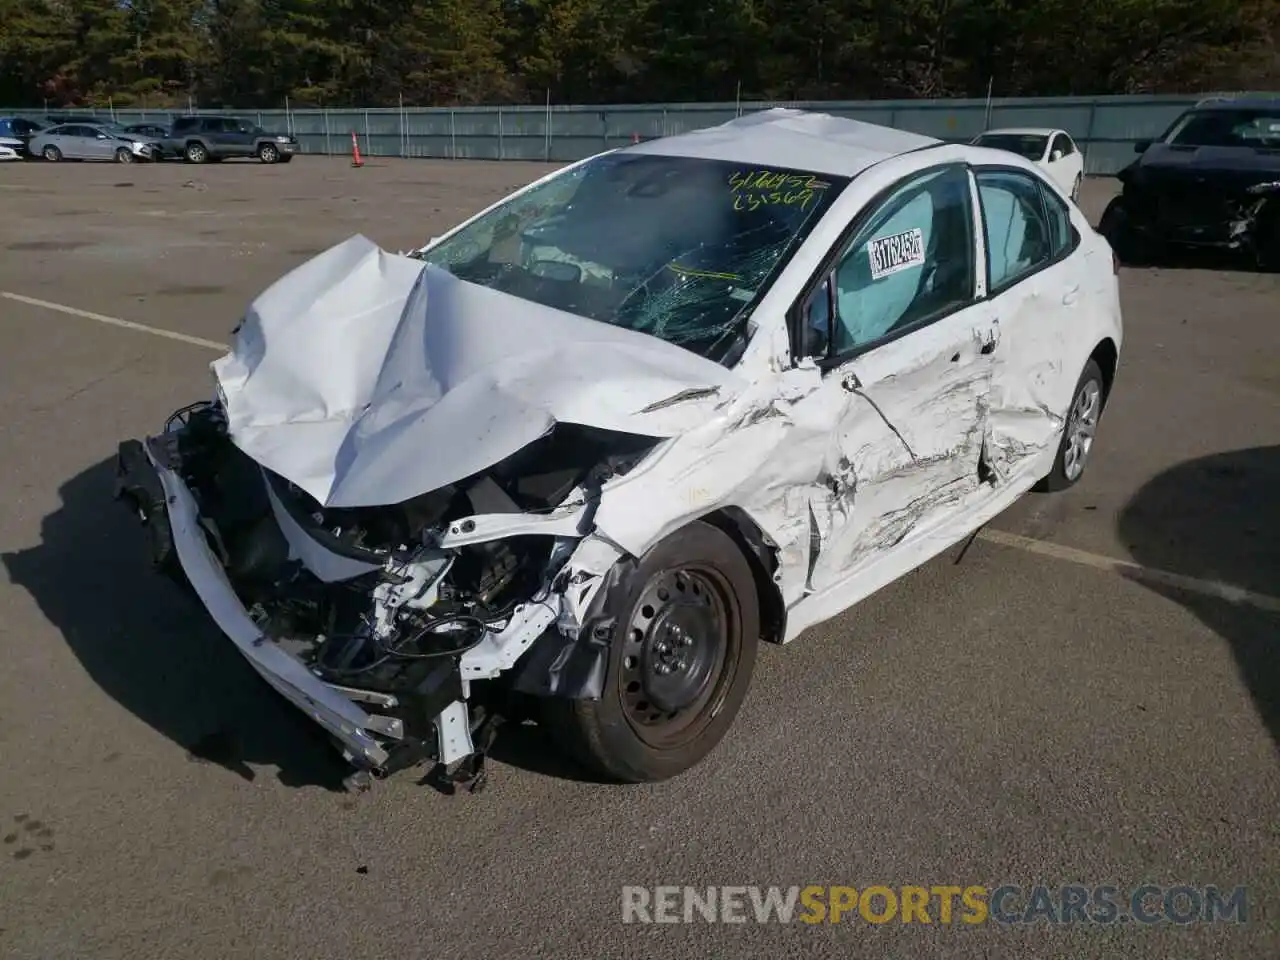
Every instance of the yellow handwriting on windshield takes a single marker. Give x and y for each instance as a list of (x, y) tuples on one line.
[(753, 189)]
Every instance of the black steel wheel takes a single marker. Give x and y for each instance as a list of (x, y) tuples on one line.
[(687, 628)]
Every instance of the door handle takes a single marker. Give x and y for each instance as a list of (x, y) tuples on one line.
[(1071, 296)]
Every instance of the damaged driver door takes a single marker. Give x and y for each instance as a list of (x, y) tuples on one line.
[(906, 341)]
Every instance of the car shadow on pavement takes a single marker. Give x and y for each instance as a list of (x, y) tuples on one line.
[(1217, 518), (153, 649), (529, 747), (1190, 258)]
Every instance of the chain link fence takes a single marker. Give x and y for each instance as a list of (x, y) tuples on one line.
[(1105, 127)]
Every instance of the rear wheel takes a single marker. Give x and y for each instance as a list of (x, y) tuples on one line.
[(124, 155), (268, 153), (1079, 430), (51, 153), (688, 626), (196, 153)]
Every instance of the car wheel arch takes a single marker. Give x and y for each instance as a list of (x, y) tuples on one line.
[(763, 557), (570, 668), (1107, 356)]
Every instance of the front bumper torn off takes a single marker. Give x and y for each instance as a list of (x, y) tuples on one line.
[(377, 731), (350, 725)]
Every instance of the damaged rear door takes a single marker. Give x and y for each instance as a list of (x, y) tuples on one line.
[(906, 341), (1039, 292)]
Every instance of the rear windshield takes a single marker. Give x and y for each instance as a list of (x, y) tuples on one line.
[(1029, 145)]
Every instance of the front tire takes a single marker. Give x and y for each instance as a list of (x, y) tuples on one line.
[(687, 630), (1129, 245), (196, 153), (51, 153), (1267, 244), (1078, 431), (124, 155), (268, 153)]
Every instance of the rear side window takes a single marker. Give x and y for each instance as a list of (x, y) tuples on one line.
[(181, 126), (1062, 235), (6, 128), (1018, 230)]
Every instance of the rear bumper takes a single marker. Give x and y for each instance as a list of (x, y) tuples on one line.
[(170, 510)]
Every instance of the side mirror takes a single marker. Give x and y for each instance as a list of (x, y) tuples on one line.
[(1056, 155), (1141, 146)]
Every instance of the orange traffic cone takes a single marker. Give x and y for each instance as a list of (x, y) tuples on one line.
[(356, 160)]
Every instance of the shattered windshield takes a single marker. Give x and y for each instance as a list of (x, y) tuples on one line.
[(1027, 145), (675, 247)]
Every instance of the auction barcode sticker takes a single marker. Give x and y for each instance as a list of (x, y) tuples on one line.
[(899, 252)]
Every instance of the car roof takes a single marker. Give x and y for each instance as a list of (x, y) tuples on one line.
[(1024, 131), (795, 139)]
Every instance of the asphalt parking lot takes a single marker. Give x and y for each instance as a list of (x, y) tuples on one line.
[(1078, 699)]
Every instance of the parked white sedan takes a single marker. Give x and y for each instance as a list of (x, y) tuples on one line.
[(596, 443), (1051, 150)]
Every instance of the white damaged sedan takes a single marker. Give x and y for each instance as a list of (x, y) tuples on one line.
[(576, 458)]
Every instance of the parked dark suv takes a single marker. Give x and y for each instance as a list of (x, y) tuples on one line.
[(1211, 180), (204, 138)]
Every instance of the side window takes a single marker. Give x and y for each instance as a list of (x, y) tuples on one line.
[(6, 128), (1062, 235), (1017, 229), (911, 262)]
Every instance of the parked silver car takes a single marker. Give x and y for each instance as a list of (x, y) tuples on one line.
[(99, 141)]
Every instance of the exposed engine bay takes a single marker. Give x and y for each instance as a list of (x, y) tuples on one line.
[(381, 604)]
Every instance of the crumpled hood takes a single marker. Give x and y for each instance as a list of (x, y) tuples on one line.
[(368, 378)]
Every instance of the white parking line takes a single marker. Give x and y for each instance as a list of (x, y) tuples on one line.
[(114, 321), (1206, 588)]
